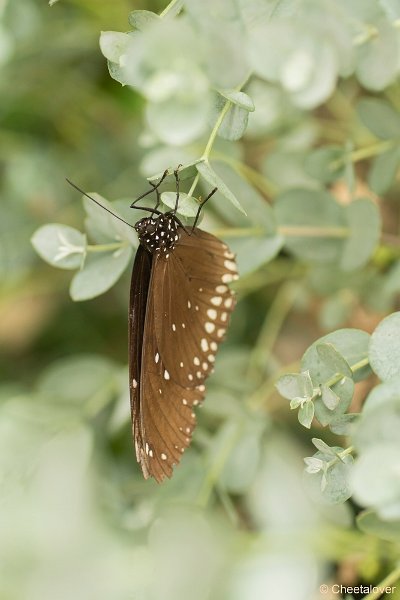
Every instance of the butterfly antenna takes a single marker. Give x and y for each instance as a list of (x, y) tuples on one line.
[(201, 206), (99, 203)]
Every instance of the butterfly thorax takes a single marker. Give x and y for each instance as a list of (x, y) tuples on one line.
[(158, 233)]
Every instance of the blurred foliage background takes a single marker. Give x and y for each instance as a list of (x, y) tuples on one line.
[(77, 520)]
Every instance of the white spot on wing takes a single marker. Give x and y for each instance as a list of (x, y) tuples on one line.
[(166, 374), (221, 289), (228, 302), (196, 360), (227, 277), (173, 327), (212, 313), (214, 346), (204, 344), (163, 456), (216, 300), (229, 264), (157, 358), (209, 327), (134, 383)]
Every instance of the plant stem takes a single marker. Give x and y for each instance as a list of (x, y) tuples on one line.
[(259, 181), (168, 8), (193, 186), (207, 150), (356, 367), (363, 153), (300, 231), (106, 247), (388, 581)]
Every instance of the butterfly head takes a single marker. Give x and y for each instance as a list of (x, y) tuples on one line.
[(158, 233)]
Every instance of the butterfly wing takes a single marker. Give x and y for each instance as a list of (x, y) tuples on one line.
[(180, 337), (140, 281), (193, 306), (166, 421)]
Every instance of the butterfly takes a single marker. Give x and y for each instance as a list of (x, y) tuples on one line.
[(179, 311)]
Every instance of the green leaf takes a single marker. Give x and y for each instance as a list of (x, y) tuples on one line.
[(240, 469), (383, 171), (352, 344), (380, 118), (310, 220), (295, 385), (234, 124), (114, 45), (187, 206), (364, 222), (75, 379), (333, 359), (375, 479), (306, 414), (211, 176), (323, 447), (240, 99), (380, 422), (378, 58), (103, 227), (179, 120), (391, 8), (59, 245), (344, 391), (329, 398), (140, 19), (384, 348), (344, 424), (369, 522), (330, 486), (326, 164), (99, 273)]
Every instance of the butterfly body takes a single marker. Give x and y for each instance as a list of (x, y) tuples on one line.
[(180, 306)]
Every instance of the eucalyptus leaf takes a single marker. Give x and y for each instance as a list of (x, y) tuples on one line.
[(187, 206), (103, 227), (344, 391), (234, 124), (333, 359), (211, 177), (323, 447), (375, 479), (140, 19), (295, 385), (384, 348), (370, 522), (60, 245), (378, 59), (382, 174), (240, 99), (329, 398), (344, 424), (352, 344), (330, 486), (114, 45), (306, 414), (380, 117), (364, 222), (99, 273), (310, 221), (326, 164)]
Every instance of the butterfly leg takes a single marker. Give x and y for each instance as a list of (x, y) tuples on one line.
[(176, 174), (155, 187), (201, 205)]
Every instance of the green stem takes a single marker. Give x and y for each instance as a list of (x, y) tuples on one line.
[(388, 581), (363, 153), (356, 367), (106, 247), (207, 150), (332, 232), (168, 8), (193, 186)]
